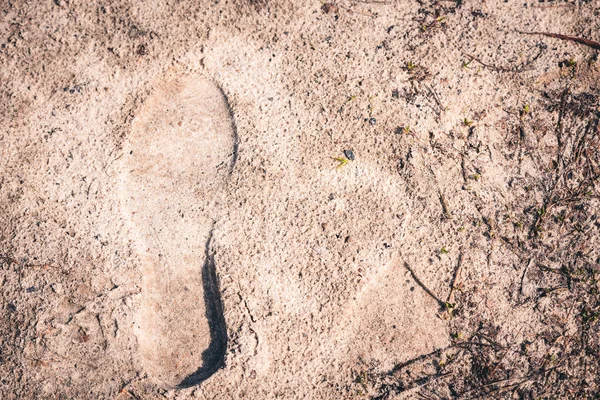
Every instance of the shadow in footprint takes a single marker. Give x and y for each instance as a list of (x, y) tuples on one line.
[(236, 140), (213, 357)]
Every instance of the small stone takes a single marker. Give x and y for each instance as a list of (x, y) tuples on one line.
[(349, 154), (56, 288), (324, 226), (330, 8), (372, 121)]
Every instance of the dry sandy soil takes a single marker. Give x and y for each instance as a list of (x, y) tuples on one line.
[(180, 216)]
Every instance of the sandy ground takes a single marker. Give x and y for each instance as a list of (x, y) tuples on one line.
[(454, 257)]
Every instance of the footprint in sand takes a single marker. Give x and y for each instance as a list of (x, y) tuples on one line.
[(176, 162)]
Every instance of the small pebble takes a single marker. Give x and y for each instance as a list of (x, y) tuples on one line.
[(349, 154), (56, 288), (330, 8), (372, 121)]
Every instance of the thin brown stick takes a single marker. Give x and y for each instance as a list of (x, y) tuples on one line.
[(586, 42), (350, 10), (555, 6), (456, 276), (492, 67), (445, 207), (524, 273), (371, 2), (398, 367), (422, 285)]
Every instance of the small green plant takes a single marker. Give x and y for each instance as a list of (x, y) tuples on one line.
[(410, 65), (371, 108), (457, 335), (467, 122), (519, 225), (443, 250), (424, 27), (449, 308), (467, 64), (342, 161)]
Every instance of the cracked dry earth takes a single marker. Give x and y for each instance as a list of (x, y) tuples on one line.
[(174, 222)]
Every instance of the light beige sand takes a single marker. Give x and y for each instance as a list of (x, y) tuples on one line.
[(328, 279)]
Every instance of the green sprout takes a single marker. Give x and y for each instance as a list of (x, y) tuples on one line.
[(424, 27), (342, 160), (457, 335), (449, 308), (589, 316), (519, 224)]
